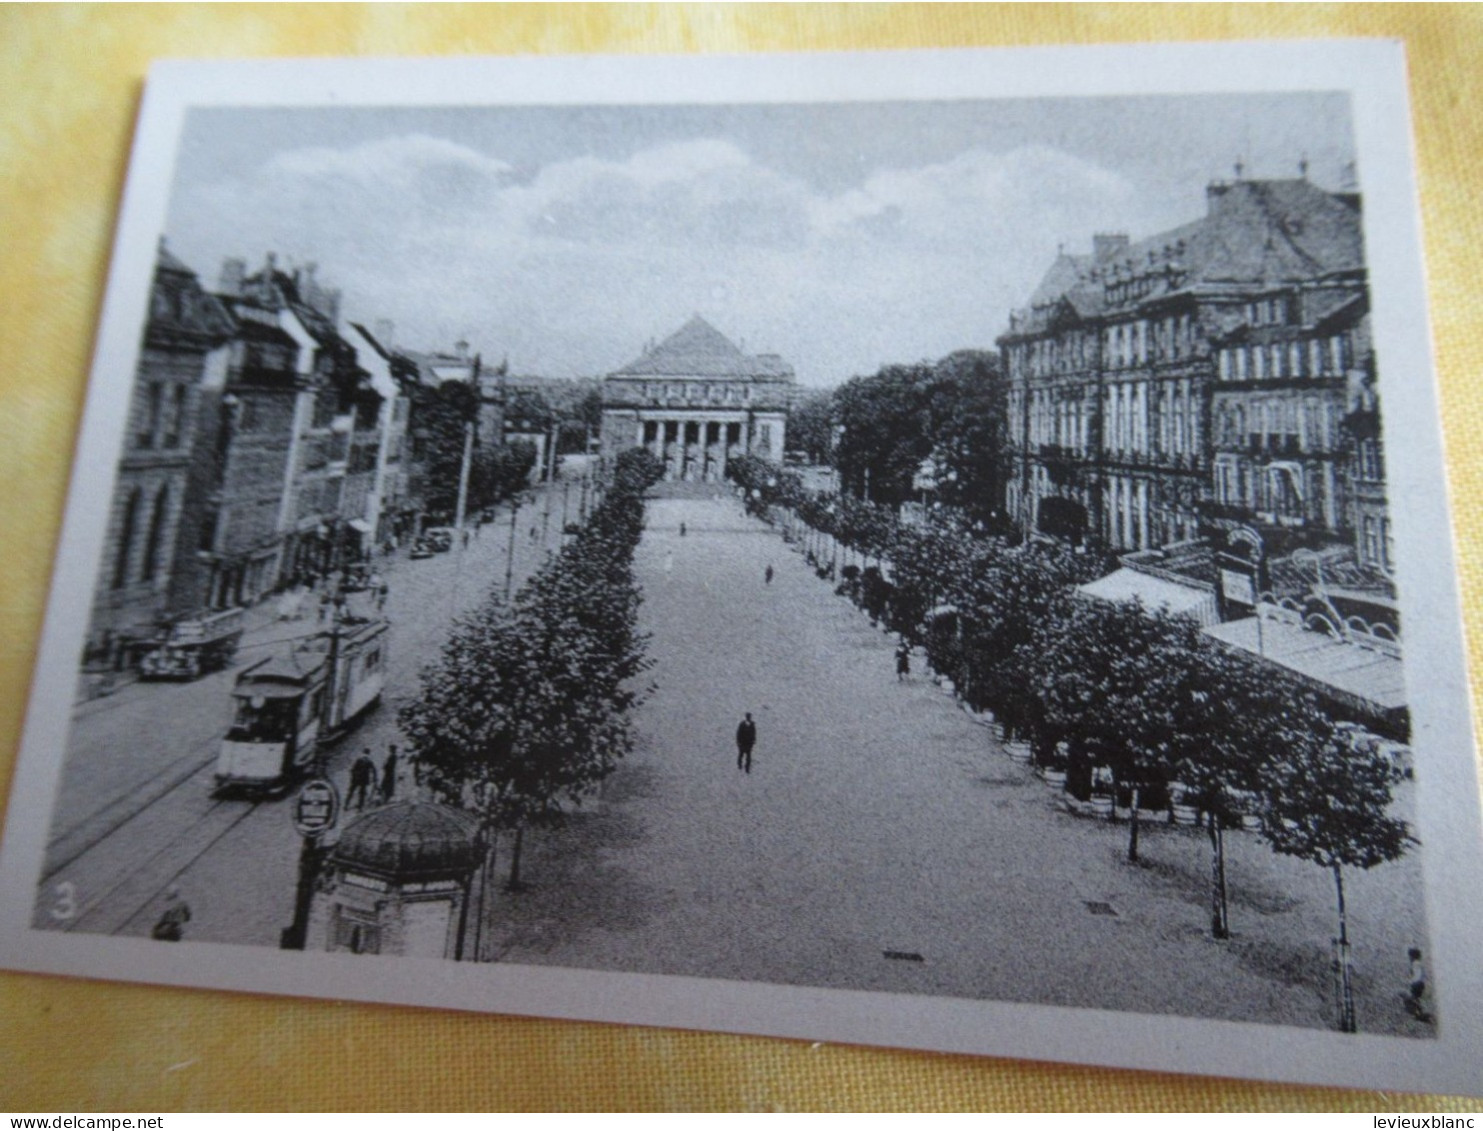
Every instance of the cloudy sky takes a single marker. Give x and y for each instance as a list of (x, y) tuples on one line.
[(842, 236)]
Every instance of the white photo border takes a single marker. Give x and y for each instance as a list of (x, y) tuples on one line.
[(1371, 71)]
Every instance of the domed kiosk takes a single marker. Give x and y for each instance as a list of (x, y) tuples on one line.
[(396, 882)]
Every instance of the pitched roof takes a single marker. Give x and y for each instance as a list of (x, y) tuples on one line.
[(1254, 232), (180, 311), (698, 349)]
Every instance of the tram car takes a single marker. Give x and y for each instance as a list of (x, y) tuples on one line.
[(287, 706)]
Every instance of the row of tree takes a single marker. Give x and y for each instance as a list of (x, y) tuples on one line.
[(1118, 697), (948, 418), (528, 708), (444, 417)]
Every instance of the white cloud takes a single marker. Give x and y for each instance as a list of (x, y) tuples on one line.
[(569, 267)]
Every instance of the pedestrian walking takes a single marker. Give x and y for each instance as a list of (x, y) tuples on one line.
[(767, 573), (362, 780), (171, 924), (746, 739), (388, 774), (465, 538), (382, 592), (682, 530), (903, 662), (1416, 991)]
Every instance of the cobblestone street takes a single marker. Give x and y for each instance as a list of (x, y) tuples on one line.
[(884, 842)]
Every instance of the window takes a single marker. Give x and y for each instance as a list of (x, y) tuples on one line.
[(174, 415), (324, 409), (1370, 545), (126, 539), (144, 436), (1369, 460), (153, 544)]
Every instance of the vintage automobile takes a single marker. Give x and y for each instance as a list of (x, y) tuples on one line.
[(192, 648), (440, 538)]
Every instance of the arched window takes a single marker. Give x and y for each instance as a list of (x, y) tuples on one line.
[(126, 540), (156, 534)]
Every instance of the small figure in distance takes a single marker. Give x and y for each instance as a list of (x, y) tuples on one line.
[(903, 662), (767, 574), (388, 774), (362, 780), (1416, 991), (746, 738), (682, 530), (172, 921)]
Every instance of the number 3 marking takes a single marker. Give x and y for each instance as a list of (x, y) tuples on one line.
[(66, 906)]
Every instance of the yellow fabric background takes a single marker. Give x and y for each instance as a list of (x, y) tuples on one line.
[(70, 80)]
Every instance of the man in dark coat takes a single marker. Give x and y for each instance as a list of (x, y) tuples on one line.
[(362, 780), (388, 774), (746, 738)]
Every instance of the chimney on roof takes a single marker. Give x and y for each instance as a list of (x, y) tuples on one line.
[(1303, 167), (1107, 244), (1240, 168), (385, 331), (233, 271)]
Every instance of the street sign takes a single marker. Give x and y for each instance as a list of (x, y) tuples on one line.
[(316, 808)]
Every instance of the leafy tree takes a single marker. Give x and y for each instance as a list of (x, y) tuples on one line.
[(1101, 671), (528, 410), (811, 425), (528, 706), (1229, 717), (1326, 799), (885, 437), (441, 418), (968, 422)]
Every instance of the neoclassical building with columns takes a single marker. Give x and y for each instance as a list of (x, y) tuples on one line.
[(695, 400)]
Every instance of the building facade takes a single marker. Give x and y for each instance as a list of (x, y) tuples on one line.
[(1283, 456), (696, 400), (184, 351), (1113, 365)]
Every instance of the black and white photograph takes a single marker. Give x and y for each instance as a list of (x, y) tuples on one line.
[(945, 550)]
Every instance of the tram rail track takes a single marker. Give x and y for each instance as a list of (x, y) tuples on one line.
[(167, 781), (177, 866)]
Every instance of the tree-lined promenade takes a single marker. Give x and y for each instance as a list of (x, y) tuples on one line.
[(1114, 699), (528, 708), (879, 817)]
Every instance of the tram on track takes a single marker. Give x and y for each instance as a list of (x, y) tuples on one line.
[(288, 705)]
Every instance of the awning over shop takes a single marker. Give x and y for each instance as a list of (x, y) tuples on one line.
[(1365, 678), (1155, 593)]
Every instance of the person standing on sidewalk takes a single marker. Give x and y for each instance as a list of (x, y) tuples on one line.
[(1417, 989), (177, 913), (362, 780), (388, 775), (746, 738), (767, 574), (903, 662)]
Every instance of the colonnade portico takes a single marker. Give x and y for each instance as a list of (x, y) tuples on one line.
[(694, 448), (696, 401)]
